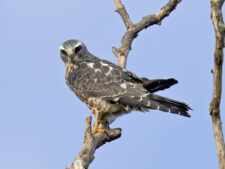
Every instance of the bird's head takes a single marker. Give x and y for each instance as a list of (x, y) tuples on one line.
[(73, 51)]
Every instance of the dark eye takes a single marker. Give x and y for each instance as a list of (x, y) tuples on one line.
[(77, 49), (63, 52)]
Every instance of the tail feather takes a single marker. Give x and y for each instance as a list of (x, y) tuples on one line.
[(168, 105)]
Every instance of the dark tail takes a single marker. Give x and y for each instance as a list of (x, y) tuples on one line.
[(158, 84), (168, 105)]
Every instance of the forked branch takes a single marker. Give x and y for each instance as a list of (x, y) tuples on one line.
[(134, 29), (90, 143)]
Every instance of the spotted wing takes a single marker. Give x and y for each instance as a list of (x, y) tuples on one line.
[(99, 79), (102, 79)]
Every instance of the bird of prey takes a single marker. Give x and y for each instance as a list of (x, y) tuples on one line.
[(111, 91)]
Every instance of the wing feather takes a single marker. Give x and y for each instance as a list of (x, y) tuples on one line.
[(105, 80), (99, 79)]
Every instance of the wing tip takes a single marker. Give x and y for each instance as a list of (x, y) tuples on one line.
[(187, 115), (173, 81)]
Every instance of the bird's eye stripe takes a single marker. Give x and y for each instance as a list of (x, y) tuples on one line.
[(77, 49), (63, 52)]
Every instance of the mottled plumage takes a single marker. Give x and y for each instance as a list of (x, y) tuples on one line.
[(110, 91)]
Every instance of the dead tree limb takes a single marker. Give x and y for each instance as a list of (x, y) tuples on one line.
[(217, 19), (92, 142), (134, 29)]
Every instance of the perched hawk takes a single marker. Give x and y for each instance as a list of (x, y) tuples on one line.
[(111, 91)]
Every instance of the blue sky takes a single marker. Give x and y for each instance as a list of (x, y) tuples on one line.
[(42, 121)]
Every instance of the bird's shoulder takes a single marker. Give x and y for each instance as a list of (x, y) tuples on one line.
[(115, 70), (97, 73)]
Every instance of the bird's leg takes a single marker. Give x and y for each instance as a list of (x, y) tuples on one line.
[(96, 128), (99, 121)]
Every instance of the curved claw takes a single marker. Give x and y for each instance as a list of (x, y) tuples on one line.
[(96, 129)]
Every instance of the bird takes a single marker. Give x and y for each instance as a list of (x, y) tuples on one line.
[(111, 91)]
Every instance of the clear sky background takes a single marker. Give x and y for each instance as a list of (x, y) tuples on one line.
[(42, 121)]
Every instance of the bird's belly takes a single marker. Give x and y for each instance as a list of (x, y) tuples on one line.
[(110, 111), (101, 105)]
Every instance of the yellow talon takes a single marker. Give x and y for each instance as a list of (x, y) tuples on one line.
[(98, 130), (95, 126)]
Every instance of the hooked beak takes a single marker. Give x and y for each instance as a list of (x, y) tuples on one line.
[(69, 53)]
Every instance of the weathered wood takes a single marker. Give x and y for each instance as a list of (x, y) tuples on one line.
[(90, 143), (217, 19), (134, 29)]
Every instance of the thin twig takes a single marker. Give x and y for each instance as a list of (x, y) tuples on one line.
[(123, 13), (134, 29), (217, 19)]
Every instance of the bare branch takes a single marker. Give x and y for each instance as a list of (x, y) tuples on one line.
[(91, 143), (217, 19), (134, 29), (123, 13)]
